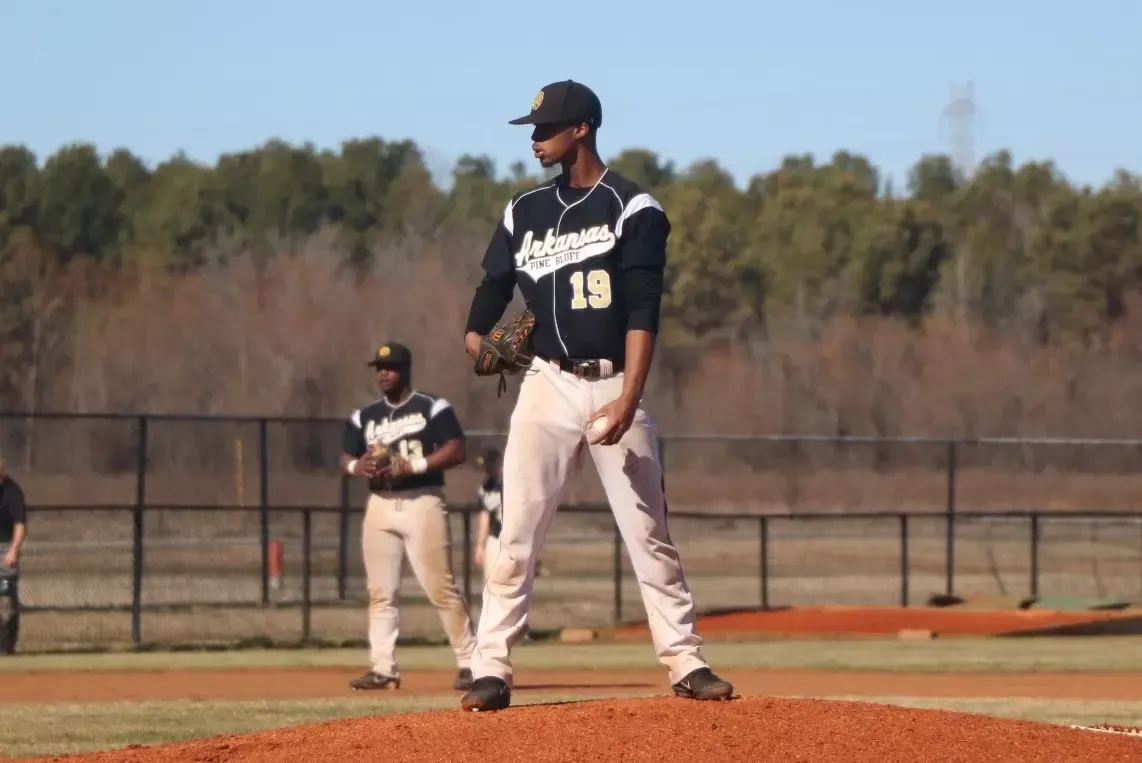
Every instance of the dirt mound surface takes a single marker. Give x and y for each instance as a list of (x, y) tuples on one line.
[(750, 729)]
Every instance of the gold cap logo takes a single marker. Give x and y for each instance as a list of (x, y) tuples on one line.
[(537, 101), (384, 352)]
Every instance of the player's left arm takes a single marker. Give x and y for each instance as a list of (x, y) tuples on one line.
[(451, 449), (19, 514), (642, 268)]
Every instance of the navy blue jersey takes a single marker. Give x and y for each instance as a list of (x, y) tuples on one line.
[(588, 261), (414, 429), (13, 510)]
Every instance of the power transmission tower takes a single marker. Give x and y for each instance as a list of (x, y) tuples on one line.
[(958, 127)]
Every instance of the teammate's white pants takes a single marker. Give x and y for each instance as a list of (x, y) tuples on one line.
[(547, 426), (416, 521)]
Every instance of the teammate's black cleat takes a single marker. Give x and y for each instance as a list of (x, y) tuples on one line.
[(487, 693), (703, 684), (463, 680), (372, 681)]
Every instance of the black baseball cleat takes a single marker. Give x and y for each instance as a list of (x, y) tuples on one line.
[(463, 680), (487, 693), (372, 681), (703, 684)]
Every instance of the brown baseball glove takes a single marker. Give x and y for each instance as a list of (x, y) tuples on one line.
[(507, 348), (378, 457), (399, 466)]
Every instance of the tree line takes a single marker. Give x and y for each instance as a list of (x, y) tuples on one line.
[(294, 247)]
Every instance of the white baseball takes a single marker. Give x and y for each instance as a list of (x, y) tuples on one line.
[(595, 432)]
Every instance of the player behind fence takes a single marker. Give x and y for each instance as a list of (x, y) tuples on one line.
[(13, 530), (491, 516), (491, 519)]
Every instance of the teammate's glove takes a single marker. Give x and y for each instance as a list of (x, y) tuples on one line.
[(399, 466), (507, 347), (376, 459)]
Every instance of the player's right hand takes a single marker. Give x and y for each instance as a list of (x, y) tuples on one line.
[(472, 344), (366, 466)]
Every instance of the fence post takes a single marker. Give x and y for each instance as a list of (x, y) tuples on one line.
[(306, 574), (763, 560), (467, 555), (137, 535), (617, 548), (1035, 555), (343, 542), (904, 577), (264, 506), (950, 549)]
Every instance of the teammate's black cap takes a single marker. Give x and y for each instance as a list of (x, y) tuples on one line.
[(564, 102), (490, 456), (391, 355)]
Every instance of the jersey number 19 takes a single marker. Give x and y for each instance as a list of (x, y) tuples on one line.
[(598, 285)]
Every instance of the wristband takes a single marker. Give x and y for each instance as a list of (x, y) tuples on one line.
[(349, 467), (419, 465)]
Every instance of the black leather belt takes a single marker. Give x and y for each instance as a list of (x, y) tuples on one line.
[(586, 369)]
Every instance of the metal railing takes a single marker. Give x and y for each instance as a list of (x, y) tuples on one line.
[(798, 559), (138, 504)]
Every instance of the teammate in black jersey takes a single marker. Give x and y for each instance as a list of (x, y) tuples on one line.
[(490, 495), (587, 251), (491, 517), (406, 512)]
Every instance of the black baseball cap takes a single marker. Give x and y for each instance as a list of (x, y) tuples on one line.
[(391, 355), (564, 102), (490, 456)]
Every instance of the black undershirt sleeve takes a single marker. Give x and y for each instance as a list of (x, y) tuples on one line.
[(17, 509), (494, 293), (643, 264)]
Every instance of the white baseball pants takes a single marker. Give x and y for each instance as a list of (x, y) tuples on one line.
[(491, 550), (416, 521), (547, 428)]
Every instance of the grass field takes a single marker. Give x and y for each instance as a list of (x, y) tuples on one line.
[(1053, 655), (42, 729)]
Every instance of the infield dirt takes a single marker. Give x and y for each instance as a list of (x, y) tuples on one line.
[(748, 729), (304, 683)]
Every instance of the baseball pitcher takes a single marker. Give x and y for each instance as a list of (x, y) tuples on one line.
[(588, 252)]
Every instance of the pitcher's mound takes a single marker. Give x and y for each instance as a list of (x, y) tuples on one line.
[(748, 730)]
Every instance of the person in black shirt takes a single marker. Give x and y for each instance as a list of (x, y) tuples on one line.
[(490, 495), (491, 519), (406, 511), (13, 530), (587, 251)]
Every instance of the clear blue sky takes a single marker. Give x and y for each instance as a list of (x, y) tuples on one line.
[(745, 83)]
